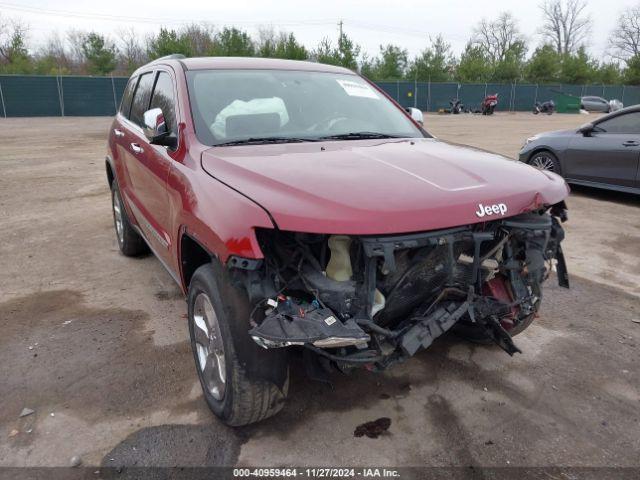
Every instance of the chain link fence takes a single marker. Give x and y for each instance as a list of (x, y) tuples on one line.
[(59, 96)]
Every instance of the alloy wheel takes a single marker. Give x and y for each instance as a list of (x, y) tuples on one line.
[(117, 217), (209, 346), (543, 162)]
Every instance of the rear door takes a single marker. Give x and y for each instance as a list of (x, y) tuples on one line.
[(117, 137), (610, 155)]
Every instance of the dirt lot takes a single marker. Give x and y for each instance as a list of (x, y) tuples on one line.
[(96, 343)]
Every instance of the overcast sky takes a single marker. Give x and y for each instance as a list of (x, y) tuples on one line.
[(407, 23)]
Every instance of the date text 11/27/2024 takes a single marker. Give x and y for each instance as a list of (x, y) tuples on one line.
[(316, 472)]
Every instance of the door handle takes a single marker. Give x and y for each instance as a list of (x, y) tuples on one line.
[(118, 133), (137, 148), (631, 143)]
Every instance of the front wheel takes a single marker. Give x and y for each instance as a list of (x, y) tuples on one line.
[(242, 382), (545, 160)]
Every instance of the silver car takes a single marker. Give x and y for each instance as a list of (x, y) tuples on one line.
[(599, 104)]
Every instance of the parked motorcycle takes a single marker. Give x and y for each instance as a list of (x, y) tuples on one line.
[(456, 106), (547, 107), (489, 104)]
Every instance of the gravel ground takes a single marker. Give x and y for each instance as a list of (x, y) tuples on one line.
[(96, 343)]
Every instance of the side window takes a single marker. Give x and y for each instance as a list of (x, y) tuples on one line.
[(164, 98), (125, 103), (627, 123), (141, 98)]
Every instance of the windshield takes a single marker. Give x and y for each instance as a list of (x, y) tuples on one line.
[(255, 106)]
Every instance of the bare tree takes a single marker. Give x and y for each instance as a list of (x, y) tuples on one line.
[(565, 24), (267, 41), (54, 46), (75, 40), (498, 37), (13, 39), (624, 42), (132, 53), (55, 52), (200, 38)]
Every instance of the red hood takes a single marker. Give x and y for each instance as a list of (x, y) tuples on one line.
[(380, 187)]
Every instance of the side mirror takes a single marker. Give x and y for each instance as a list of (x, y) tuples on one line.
[(155, 128), (416, 115), (586, 129)]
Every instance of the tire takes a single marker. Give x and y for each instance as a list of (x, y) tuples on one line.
[(131, 244), (242, 382), (545, 160)]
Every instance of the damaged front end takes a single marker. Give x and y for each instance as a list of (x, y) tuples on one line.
[(377, 300)]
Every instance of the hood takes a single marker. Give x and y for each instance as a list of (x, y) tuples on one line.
[(381, 187), (558, 133)]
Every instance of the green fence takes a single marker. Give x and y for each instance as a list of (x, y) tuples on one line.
[(432, 97), (31, 96), (55, 96)]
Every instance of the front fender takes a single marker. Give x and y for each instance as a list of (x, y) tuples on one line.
[(221, 219)]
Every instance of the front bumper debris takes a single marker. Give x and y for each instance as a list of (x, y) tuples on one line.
[(378, 300)]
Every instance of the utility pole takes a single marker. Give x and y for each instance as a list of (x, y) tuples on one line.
[(340, 27)]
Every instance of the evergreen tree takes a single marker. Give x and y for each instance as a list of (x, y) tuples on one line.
[(578, 68), (474, 65), (544, 65), (232, 42), (167, 42), (435, 62), (99, 54)]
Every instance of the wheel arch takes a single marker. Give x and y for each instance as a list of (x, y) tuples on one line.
[(111, 172), (192, 256), (545, 148)]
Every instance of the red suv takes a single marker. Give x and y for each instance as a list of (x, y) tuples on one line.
[(307, 217)]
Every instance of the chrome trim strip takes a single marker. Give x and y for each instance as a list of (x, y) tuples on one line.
[(155, 254)]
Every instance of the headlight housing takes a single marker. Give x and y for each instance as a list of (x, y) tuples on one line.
[(531, 139)]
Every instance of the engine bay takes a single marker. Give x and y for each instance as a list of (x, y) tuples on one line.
[(377, 300)]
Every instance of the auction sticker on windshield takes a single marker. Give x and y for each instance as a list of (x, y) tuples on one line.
[(357, 89)]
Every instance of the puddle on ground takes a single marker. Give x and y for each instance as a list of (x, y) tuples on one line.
[(374, 428)]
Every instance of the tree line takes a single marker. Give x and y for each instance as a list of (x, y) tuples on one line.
[(496, 51)]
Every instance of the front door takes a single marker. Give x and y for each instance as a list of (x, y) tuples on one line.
[(148, 167), (609, 155)]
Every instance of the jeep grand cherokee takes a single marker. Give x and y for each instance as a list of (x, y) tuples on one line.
[(301, 210)]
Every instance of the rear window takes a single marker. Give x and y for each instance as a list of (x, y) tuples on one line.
[(141, 98)]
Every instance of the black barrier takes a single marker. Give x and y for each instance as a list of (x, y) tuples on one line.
[(87, 96), (26, 96), (32, 95)]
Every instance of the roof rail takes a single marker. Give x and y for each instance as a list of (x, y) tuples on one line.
[(173, 56)]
